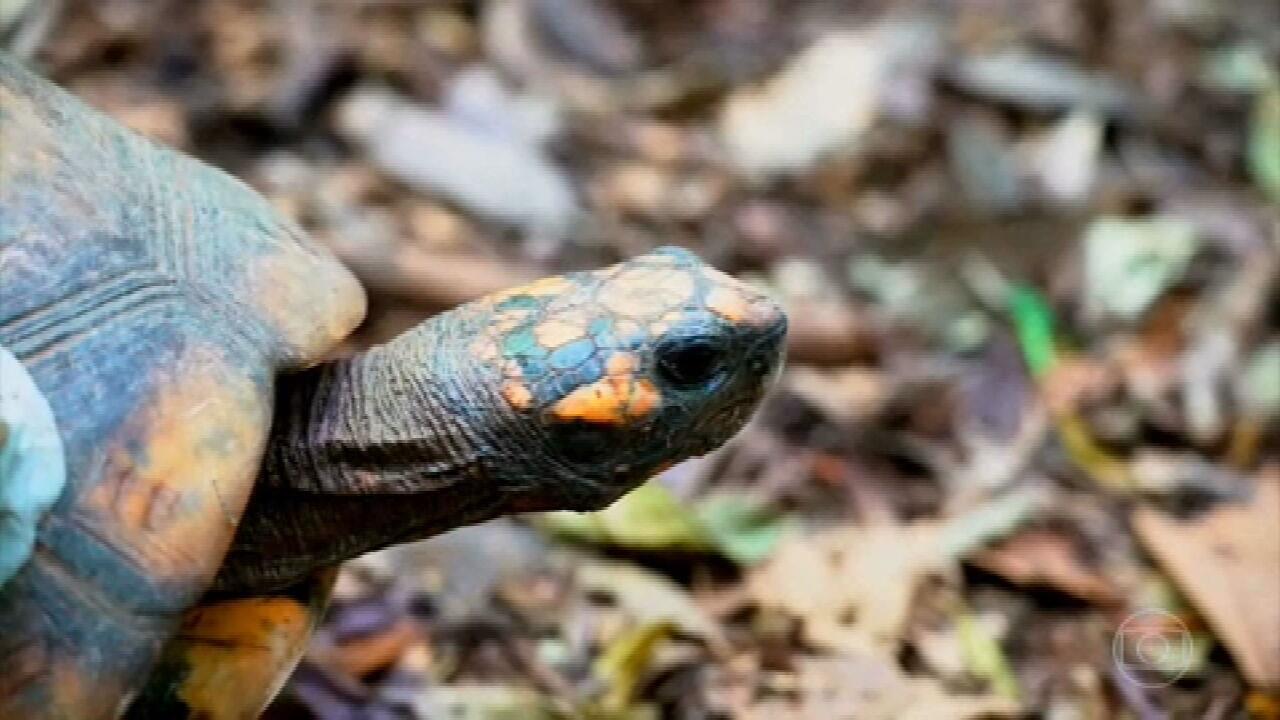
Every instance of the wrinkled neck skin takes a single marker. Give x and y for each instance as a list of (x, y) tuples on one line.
[(399, 443)]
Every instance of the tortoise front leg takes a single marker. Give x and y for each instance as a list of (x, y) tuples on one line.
[(231, 656)]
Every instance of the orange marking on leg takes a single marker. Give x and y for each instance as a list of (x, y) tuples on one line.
[(238, 653), (517, 394), (554, 333)]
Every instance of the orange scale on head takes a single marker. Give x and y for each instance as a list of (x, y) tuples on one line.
[(499, 297), (508, 322), (621, 363), (662, 260), (554, 285), (645, 398), (517, 393), (600, 402), (627, 328), (484, 349), (512, 369), (646, 292), (728, 304), (578, 314), (554, 333)]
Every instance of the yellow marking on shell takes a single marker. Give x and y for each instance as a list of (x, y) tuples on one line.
[(26, 139), (728, 304), (173, 502), (75, 687), (554, 333), (517, 393), (240, 652), (646, 292), (307, 297)]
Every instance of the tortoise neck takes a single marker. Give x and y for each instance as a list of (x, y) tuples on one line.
[(389, 420), (286, 535), (363, 453)]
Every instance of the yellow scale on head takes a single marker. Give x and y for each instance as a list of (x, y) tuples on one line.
[(615, 399)]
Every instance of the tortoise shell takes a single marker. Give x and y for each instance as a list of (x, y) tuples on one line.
[(151, 299)]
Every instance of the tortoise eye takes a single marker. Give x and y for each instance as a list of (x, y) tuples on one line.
[(689, 361)]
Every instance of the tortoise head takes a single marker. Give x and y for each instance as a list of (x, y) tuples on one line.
[(615, 374), (562, 394)]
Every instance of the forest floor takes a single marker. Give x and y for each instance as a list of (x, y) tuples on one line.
[(1025, 458)]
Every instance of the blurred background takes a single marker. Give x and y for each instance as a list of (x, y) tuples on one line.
[(1025, 460)]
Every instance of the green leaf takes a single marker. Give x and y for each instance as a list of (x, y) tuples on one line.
[(1264, 142), (647, 518), (993, 519), (741, 529), (647, 596), (1033, 322), (651, 518), (1239, 68), (625, 661), (985, 657), (1259, 384), (485, 702), (1129, 263)]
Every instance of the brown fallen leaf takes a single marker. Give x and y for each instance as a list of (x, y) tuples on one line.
[(846, 395), (435, 280), (852, 587), (866, 686), (1043, 557), (1227, 562), (366, 655)]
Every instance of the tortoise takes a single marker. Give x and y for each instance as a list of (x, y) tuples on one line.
[(182, 470)]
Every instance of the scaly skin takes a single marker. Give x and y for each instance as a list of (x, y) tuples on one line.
[(562, 394)]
